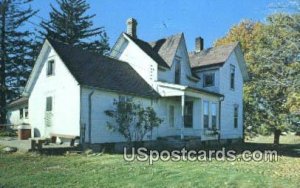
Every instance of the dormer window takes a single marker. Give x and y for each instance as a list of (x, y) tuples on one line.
[(208, 79), (177, 71), (50, 68), (232, 75)]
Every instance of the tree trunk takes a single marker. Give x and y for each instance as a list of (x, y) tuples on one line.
[(3, 88), (277, 134)]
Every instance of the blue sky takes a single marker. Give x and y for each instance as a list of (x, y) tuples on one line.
[(210, 19)]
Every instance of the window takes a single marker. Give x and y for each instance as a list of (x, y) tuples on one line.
[(171, 116), (236, 116), (49, 104), (208, 79), (50, 68), (177, 71), (232, 74), (188, 114), (205, 114), (214, 115), (26, 112), (21, 113)]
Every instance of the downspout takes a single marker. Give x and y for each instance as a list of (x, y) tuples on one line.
[(90, 116), (220, 109)]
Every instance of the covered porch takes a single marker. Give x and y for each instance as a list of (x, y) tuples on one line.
[(199, 115)]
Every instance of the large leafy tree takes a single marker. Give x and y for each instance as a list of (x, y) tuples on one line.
[(272, 54), (71, 25), (17, 50)]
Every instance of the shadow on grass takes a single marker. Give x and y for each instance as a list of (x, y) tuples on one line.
[(288, 150)]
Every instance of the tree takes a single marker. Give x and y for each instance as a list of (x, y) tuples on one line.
[(272, 56), (70, 24), (132, 120), (17, 50)]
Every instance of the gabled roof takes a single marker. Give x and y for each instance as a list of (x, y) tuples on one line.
[(162, 51), (147, 48), (167, 47), (212, 56), (102, 72)]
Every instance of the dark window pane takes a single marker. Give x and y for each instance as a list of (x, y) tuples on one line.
[(209, 79), (235, 117), (206, 121), (21, 113), (49, 104), (26, 112), (177, 72), (188, 114), (50, 68), (232, 75)]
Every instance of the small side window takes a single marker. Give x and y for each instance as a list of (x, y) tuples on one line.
[(236, 116), (50, 68), (205, 114), (232, 76), (26, 112), (21, 113), (171, 116), (49, 104)]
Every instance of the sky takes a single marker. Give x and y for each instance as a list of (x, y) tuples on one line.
[(210, 19)]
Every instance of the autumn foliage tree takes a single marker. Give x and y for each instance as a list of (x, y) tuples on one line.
[(271, 97)]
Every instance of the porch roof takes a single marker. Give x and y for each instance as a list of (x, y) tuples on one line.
[(182, 88)]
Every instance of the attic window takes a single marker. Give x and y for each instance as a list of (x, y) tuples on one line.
[(209, 79), (50, 68), (177, 71), (232, 75)]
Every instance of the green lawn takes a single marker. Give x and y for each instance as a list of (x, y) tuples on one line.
[(31, 170)]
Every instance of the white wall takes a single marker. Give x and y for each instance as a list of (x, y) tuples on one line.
[(100, 102), (140, 61), (13, 116), (66, 97), (232, 97)]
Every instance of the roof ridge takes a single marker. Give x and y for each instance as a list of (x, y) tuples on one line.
[(167, 37)]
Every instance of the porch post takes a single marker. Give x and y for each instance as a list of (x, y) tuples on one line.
[(182, 116)]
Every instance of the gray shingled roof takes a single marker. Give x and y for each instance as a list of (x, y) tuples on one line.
[(162, 51), (167, 47), (211, 56), (147, 48), (102, 72), (18, 102)]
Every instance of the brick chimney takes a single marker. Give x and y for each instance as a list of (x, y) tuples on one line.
[(131, 27), (199, 44)]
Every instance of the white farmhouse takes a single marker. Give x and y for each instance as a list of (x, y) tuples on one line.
[(194, 93)]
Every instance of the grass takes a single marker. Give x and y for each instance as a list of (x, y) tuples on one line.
[(33, 170)]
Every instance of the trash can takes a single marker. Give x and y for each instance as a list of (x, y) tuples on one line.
[(24, 132)]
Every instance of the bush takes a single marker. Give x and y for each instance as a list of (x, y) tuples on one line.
[(9, 133)]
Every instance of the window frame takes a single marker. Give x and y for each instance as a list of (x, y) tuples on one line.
[(51, 104), (52, 63), (26, 112), (236, 116), (188, 114), (171, 116), (216, 114), (205, 75), (177, 75), (204, 114), (232, 77), (21, 113)]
